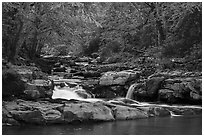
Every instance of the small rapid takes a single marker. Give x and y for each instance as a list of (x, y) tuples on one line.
[(71, 93), (130, 91)]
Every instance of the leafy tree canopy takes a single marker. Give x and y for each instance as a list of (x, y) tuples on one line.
[(31, 29)]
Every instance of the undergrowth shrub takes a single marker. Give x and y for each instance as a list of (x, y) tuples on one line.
[(12, 85)]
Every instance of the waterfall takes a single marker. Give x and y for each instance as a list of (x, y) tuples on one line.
[(64, 93), (131, 89), (70, 93)]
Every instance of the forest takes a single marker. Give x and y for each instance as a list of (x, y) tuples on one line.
[(66, 62), (117, 32)]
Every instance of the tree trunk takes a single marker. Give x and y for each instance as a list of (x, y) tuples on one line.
[(159, 26), (15, 43)]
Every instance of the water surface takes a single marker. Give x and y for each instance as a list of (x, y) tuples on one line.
[(185, 125)]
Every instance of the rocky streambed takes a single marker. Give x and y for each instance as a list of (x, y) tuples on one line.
[(102, 90), (20, 112)]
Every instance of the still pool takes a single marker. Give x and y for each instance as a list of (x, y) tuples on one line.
[(183, 125)]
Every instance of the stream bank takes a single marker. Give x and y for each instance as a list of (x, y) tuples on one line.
[(108, 82)]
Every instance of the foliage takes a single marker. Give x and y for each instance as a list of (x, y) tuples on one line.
[(185, 29), (38, 24), (107, 28), (93, 46), (11, 83)]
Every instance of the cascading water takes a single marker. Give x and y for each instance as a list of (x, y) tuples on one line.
[(64, 93), (70, 93), (131, 89), (129, 96)]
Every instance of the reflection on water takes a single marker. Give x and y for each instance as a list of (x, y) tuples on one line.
[(187, 125)]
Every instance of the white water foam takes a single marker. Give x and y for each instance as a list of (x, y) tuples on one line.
[(69, 93), (130, 91)]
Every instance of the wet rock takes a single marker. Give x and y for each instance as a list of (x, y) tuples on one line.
[(196, 90), (171, 87), (159, 111), (90, 83), (12, 85), (82, 93), (28, 116), (195, 96), (29, 73), (31, 94), (153, 85), (38, 89), (147, 91), (53, 116), (87, 111), (7, 118), (181, 90), (44, 112), (118, 78), (123, 113), (155, 111), (34, 112), (166, 95), (109, 91)]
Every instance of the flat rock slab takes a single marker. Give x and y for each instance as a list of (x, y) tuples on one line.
[(118, 78), (124, 113), (87, 111), (44, 112)]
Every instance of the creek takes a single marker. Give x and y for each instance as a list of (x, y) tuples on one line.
[(184, 125), (171, 125)]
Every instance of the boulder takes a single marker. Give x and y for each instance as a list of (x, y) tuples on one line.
[(109, 91), (195, 90), (159, 111), (87, 111), (28, 116), (12, 85), (90, 83), (153, 85), (25, 73), (118, 78), (43, 112), (139, 91), (34, 112), (7, 118), (166, 95), (31, 94), (195, 96), (123, 113), (181, 90), (148, 90), (53, 116), (28, 73), (38, 89)]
